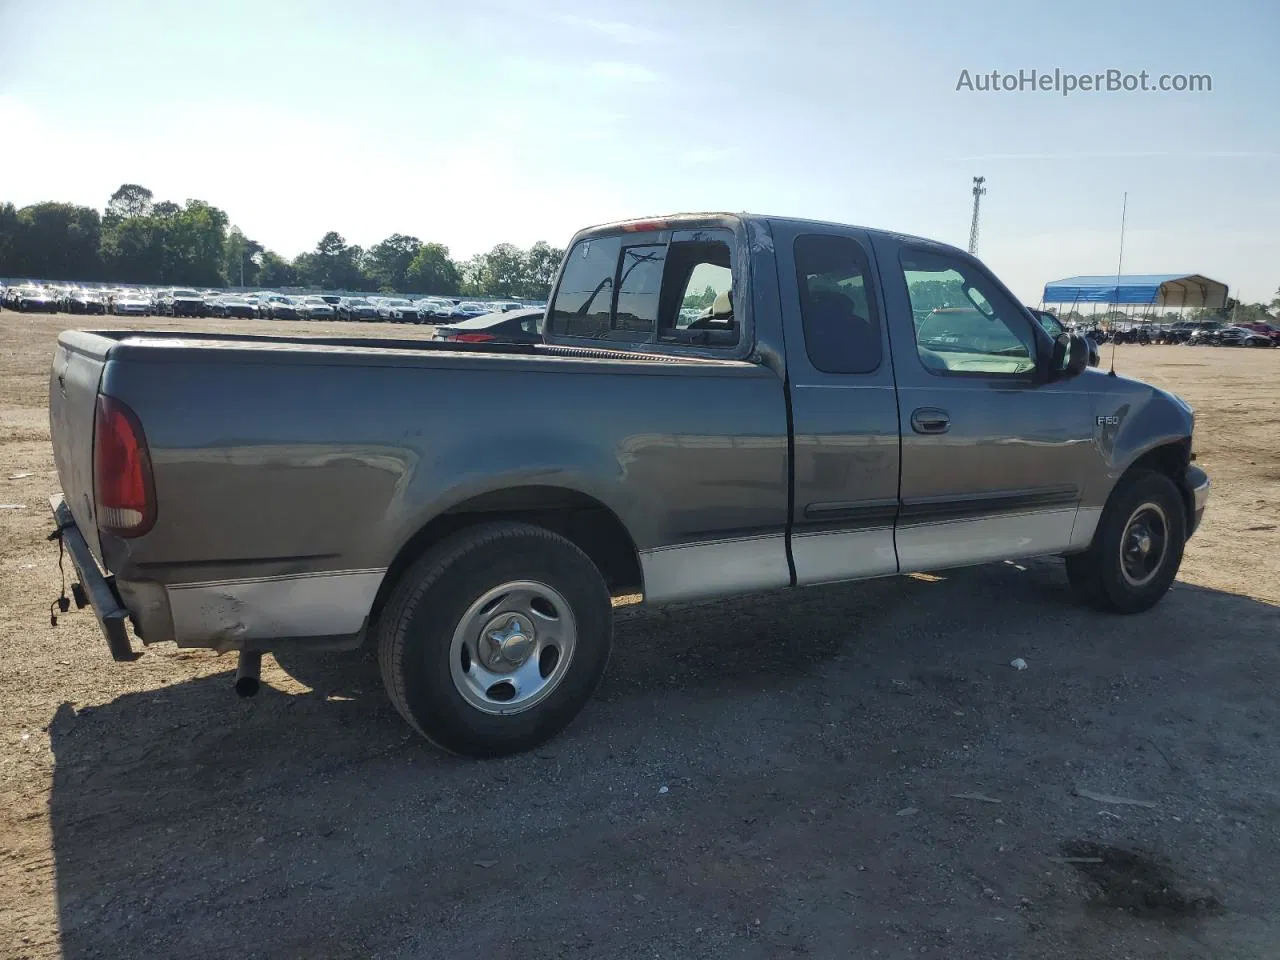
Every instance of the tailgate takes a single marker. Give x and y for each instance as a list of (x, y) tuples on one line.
[(73, 395)]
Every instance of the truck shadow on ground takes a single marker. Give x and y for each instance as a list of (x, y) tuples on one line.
[(789, 731)]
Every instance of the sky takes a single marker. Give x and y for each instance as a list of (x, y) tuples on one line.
[(475, 123)]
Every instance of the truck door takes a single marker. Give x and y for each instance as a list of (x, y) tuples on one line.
[(994, 459), (843, 406)]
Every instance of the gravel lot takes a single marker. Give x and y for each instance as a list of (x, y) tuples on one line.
[(844, 771)]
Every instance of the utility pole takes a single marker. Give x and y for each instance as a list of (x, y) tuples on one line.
[(978, 191)]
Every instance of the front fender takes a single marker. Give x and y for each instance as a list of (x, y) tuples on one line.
[(1131, 419)]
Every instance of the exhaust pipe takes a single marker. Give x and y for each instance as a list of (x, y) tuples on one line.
[(248, 670)]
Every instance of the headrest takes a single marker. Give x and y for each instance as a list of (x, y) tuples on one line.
[(722, 306)]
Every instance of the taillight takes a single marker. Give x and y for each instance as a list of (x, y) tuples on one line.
[(122, 482), (472, 337)]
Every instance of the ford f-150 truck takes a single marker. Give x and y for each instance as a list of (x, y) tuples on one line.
[(853, 404)]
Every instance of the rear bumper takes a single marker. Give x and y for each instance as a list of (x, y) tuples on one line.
[(1198, 484), (99, 588)]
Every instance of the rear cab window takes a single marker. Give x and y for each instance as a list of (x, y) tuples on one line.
[(670, 286), (841, 327)]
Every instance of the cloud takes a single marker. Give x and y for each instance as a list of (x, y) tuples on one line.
[(613, 29), (623, 72), (708, 155), (1124, 155)]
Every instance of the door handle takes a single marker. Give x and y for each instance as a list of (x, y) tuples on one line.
[(930, 420)]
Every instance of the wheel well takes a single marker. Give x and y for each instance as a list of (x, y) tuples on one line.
[(583, 520), (1171, 459)]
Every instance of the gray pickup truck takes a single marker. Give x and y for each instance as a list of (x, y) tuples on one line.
[(721, 405)]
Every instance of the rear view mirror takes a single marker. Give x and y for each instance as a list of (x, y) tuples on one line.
[(1070, 356)]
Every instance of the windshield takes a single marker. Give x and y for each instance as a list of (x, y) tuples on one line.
[(185, 293), (1051, 324)]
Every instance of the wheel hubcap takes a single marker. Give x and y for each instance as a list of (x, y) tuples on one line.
[(510, 639), (513, 647), (1144, 544)]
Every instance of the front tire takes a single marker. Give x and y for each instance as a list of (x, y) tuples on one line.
[(495, 639), (1137, 548)]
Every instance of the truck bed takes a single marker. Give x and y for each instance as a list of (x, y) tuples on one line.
[(100, 342), (312, 461)]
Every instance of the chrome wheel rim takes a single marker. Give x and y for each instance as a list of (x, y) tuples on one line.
[(513, 647), (1144, 544)]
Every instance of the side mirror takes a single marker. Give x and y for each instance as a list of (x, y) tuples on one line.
[(1071, 355)]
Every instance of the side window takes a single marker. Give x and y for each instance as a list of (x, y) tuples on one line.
[(707, 283), (584, 299), (676, 291), (837, 309), (696, 306), (963, 324)]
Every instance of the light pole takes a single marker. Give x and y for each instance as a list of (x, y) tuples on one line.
[(978, 191)]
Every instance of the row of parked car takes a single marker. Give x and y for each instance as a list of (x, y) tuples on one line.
[(183, 302), (1215, 333)]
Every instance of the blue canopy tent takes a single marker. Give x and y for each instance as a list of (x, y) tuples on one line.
[(1171, 291)]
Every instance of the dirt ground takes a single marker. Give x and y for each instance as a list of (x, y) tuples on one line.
[(845, 771)]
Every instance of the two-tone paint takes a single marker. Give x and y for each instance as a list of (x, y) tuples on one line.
[(293, 478)]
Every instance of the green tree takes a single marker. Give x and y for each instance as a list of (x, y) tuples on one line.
[(198, 241), (700, 301), (275, 271), (131, 200), (10, 240), (501, 272), (387, 263), (433, 271), (58, 241), (240, 266), (542, 263), (132, 249), (333, 265)]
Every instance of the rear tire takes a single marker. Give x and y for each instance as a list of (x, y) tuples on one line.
[(1137, 548), (495, 639)]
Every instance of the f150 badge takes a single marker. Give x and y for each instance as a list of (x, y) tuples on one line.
[(1108, 421)]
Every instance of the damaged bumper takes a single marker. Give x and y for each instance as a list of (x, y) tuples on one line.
[(98, 589)]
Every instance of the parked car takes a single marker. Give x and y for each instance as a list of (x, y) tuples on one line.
[(186, 303), (432, 308), (314, 308), (86, 302), (398, 310), (467, 309), (356, 308), (786, 440), (279, 307), (1242, 337), (1268, 330), (131, 303), (35, 300), (234, 306), (516, 326)]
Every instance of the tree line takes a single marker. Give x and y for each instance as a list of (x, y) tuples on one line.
[(139, 240)]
